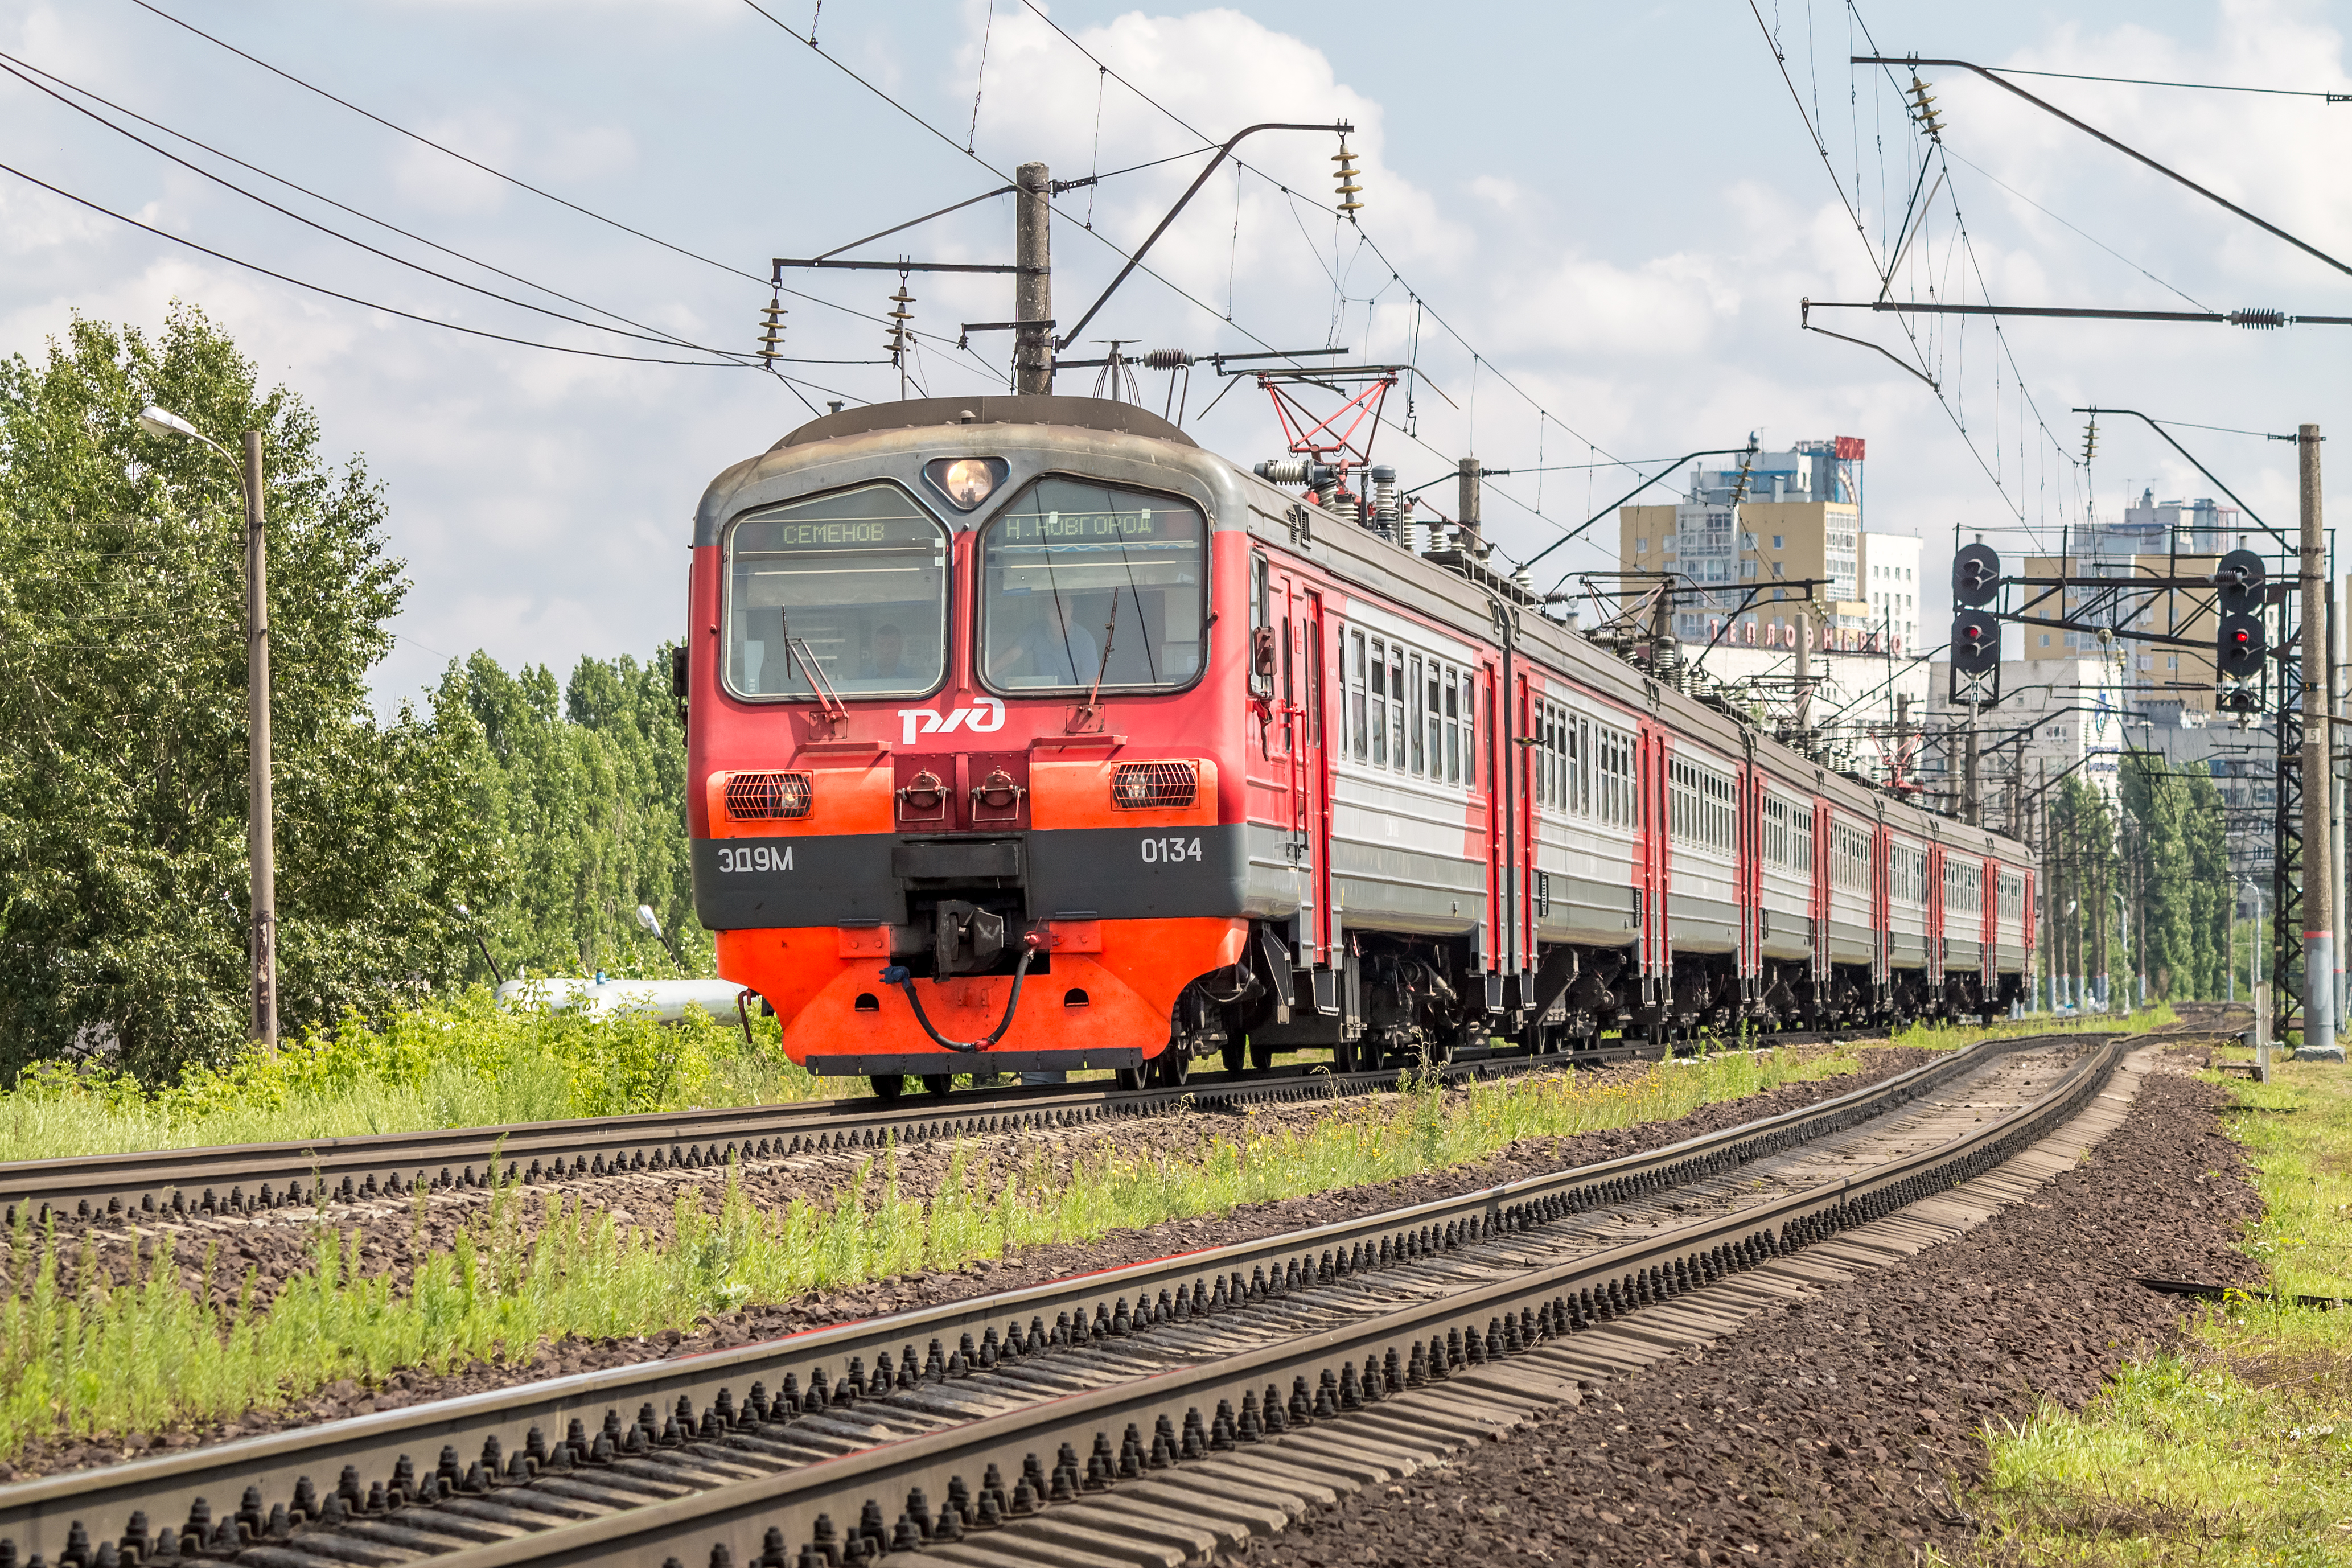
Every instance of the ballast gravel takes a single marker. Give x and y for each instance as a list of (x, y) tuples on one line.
[(1841, 1430)]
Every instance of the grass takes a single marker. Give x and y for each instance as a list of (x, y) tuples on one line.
[(463, 1063), (531, 1269), (1951, 1036), (2236, 1448)]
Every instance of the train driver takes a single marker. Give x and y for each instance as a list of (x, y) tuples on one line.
[(886, 653)]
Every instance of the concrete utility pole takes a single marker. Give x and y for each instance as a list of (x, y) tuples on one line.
[(1466, 504), (1971, 809), (1033, 285), (2042, 888), (2318, 857), (1805, 684), (260, 827)]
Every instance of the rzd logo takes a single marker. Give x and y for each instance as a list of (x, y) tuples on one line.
[(981, 718)]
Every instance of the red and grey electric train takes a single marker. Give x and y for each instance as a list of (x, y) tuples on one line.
[(1026, 735)]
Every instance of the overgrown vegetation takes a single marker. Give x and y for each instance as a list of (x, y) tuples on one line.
[(460, 1061), (550, 811), (529, 1270), (2236, 1448)]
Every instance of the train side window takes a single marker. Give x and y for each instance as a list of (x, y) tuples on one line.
[(1360, 734), (1542, 748), (1539, 742), (1261, 623), (1378, 693), (1396, 702), (1412, 709), (1556, 745), (1285, 659), (1452, 727), (1584, 767), (1433, 721), (1480, 697)]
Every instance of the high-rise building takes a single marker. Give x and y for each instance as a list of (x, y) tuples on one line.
[(1761, 535), (2156, 540), (1762, 543)]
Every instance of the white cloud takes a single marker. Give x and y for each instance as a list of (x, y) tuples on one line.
[(439, 182)]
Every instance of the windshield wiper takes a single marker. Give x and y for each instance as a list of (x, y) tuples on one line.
[(796, 650), (1111, 633)]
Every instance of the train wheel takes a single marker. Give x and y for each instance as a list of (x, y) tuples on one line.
[(1174, 1067), (1235, 1053), (1131, 1077), (888, 1087), (1345, 1058), (938, 1082)]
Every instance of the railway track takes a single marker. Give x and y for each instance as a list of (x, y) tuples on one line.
[(154, 1186), (812, 1448)]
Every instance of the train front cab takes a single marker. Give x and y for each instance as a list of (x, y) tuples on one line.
[(1007, 813)]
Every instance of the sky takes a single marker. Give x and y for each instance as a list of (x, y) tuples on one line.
[(1586, 227)]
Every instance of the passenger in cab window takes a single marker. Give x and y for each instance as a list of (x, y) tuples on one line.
[(884, 654)]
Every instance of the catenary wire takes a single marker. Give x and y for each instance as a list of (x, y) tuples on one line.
[(1371, 244), (2193, 86), (10, 67), (366, 304), (439, 147), (2102, 244), (316, 195), (817, 299), (1161, 279)]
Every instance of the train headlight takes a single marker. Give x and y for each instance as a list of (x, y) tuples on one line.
[(966, 482)]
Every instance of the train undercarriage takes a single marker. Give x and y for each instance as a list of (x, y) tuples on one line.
[(1399, 1000)]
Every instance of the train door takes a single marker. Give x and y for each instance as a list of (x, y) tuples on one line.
[(1652, 829), (1492, 940), (1520, 758), (1989, 926), (1881, 923), (1819, 896), (1748, 872), (1304, 684), (1936, 917)]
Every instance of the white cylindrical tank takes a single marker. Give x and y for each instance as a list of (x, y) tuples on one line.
[(664, 1000)]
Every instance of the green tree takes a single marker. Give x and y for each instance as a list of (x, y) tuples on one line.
[(122, 728), (2083, 866), (584, 790), (2176, 842)]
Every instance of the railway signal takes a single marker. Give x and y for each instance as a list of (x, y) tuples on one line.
[(2240, 577), (2241, 642), (1976, 576), (1976, 657)]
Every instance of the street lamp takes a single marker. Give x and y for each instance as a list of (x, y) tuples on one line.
[(646, 918), (260, 829)]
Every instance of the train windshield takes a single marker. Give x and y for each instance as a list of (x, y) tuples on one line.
[(854, 580), (1081, 581)]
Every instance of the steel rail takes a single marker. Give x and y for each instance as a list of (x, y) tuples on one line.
[(747, 1520), (158, 1185), (39, 1516)]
